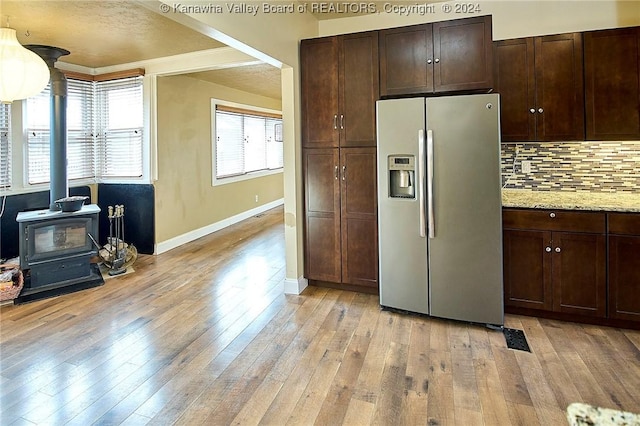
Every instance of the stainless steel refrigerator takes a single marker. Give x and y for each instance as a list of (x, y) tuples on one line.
[(439, 207)]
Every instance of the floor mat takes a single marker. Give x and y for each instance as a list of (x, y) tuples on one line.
[(516, 339)]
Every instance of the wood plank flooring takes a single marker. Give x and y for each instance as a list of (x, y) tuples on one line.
[(203, 334)]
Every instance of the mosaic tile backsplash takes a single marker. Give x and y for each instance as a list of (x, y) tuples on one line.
[(593, 166)]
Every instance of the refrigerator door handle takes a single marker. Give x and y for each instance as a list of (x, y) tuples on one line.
[(432, 223), (421, 168)]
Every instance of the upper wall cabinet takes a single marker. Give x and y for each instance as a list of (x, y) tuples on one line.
[(440, 57), (540, 81), (612, 84), (340, 87)]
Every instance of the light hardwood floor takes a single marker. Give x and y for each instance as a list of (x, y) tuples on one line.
[(203, 334)]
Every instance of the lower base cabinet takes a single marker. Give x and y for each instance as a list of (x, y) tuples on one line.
[(555, 261), (624, 273)]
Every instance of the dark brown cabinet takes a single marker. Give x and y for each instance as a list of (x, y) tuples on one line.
[(612, 84), (340, 87), (322, 214), (624, 274), (541, 86), (341, 233), (555, 261), (440, 57)]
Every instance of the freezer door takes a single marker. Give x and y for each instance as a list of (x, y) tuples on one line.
[(465, 250), (402, 244)]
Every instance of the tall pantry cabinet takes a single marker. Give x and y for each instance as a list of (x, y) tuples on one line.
[(340, 86)]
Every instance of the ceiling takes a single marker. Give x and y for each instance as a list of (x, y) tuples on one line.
[(100, 33)]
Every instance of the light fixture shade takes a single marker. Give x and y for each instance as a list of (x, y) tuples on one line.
[(22, 72)]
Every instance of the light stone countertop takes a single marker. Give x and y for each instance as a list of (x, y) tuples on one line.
[(565, 200), (579, 414)]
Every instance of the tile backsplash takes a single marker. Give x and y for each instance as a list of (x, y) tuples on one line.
[(594, 166)]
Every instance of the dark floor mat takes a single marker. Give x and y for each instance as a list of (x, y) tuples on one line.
[(516, 339)]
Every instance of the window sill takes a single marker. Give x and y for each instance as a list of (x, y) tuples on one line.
[(248, 176)]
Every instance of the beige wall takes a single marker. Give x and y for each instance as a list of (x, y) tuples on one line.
[(511, 18), (273, 36), (185, 198)]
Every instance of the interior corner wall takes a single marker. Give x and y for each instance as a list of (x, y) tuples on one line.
[(185, 199)]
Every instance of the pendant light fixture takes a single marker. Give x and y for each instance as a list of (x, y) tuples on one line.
[(22, 72)]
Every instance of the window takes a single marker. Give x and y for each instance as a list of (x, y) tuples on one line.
[(5, 146), (246, 140), (104, 130), (119, 120)]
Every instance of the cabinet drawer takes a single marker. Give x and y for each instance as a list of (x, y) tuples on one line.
[(624, 223), (554, 220)]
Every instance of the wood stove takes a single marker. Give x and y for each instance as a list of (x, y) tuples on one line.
[(56, 247)]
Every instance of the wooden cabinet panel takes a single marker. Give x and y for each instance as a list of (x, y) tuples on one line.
[(547, 268), (515, 81), (322, 215), (359, 89), (579, 274), (554, 220), (541, 86), (319, 75), (442, 57), (559, 87), (527, 269), (341, 210), (404, 53), (463, 54), (359, 216), (624, 277), (624, 223), (340, 85), (612, 84)]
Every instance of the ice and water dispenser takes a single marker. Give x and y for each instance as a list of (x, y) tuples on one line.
[(402, 171)]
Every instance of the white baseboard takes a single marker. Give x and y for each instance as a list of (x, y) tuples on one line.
[(293, 286), (206, 230)]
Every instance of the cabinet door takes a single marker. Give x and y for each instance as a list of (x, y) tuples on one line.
[(579, 274), (359, 209), (319, 75), (322, 214), (359, 89), (404, 53), (559, 87), (612, 84), (463, 54), (515, 82), (624, 277), (527, 269)]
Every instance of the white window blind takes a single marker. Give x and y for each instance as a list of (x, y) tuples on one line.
[(80, 143), (246, 142), (5, 146), (119, 118), (104, 130)]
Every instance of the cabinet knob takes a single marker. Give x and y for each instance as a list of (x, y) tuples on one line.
[(547, 249), (552, 214), (437, 60), (344, 172), (335, 121), (540, 110), (341, 121), (558, 250), (532, 110), (335, 172), (429, 61)]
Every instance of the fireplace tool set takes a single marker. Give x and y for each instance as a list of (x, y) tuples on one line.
[(117, 255)]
